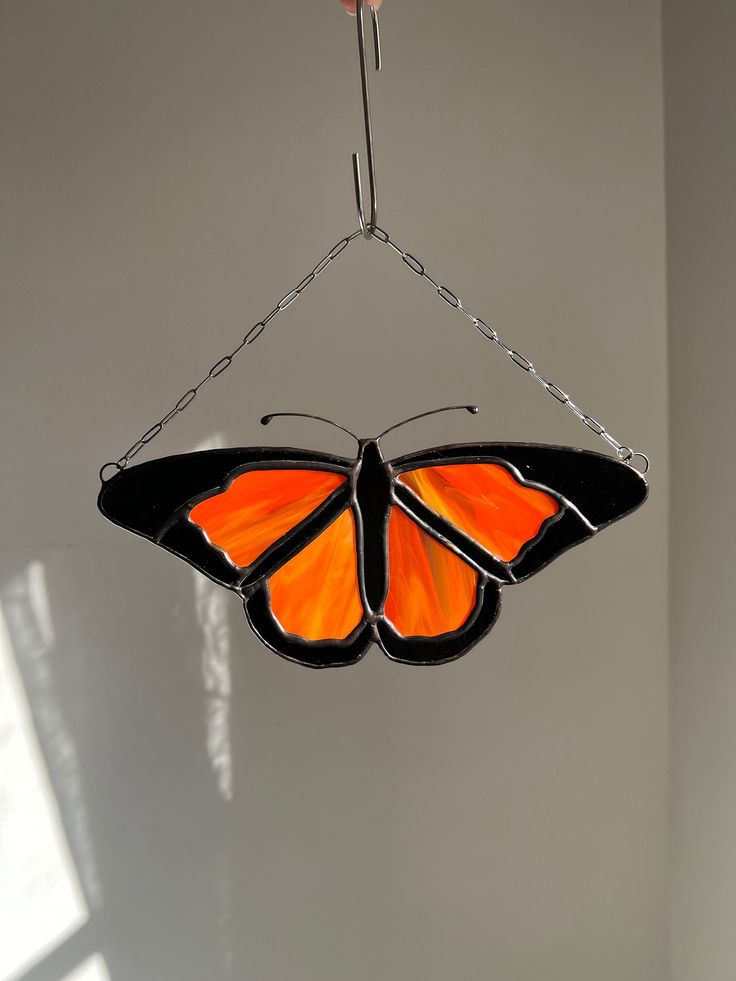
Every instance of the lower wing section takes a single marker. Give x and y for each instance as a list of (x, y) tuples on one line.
[(310, 610), (316, 595), (438, 606), (431, 591)]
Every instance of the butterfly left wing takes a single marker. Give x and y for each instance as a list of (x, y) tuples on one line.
[(160, 500), (273, 525)]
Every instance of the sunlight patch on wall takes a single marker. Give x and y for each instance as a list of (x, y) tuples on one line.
[(93, 969), (211, 608), (41, 899)]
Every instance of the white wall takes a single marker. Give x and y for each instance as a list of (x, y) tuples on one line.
[(170, 169), (700, 74)]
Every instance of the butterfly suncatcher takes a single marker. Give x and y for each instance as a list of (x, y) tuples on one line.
[(330, 555)]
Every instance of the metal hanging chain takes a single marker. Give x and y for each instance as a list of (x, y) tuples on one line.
[(634, 458), (370, 229), (224, 363)]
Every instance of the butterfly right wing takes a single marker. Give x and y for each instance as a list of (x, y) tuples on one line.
[(274, 525), (513, 508), (484, 516)]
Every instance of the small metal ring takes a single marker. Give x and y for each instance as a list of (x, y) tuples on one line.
[(288, 299), (520, 361), (413, 263), (104, 467), (186, 399), (449, 297), (594, 426), (254, 333), (152, 433), (644, 470), (220, 366), (557, 393), (484, 329), (322, 265), (340, 247), (625, 454), (305, 282)]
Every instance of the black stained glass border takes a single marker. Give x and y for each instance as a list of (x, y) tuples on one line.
[(154, 500)]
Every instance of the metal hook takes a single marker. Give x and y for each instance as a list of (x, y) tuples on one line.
[(367, 225)]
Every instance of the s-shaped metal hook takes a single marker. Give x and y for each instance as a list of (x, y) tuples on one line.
[(367, 224)]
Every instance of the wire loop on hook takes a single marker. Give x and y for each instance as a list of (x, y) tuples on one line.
[(368, 220)]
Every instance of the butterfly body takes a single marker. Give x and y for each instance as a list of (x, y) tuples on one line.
[(330, 555), (372, 484)]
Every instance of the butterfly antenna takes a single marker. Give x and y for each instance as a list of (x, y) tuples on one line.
[(472, 409), (305, 415)]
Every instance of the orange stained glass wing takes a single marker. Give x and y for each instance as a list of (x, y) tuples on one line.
[(315, 595), (431, 590), (486, 502), (260, 507)]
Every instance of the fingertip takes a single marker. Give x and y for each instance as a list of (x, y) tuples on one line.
[(350, 5)]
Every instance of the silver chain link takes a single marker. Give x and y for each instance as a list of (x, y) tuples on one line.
[(224, 363), (623, 452)]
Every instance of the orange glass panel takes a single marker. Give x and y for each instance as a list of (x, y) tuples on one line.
[(431, 590), (486, 502), (316, 595), (260, 507)]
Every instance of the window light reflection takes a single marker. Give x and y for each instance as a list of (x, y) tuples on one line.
[(211, 604), (41, 898), (93, 969)]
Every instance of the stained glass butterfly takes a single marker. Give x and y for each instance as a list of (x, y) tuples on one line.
[(330, 555)]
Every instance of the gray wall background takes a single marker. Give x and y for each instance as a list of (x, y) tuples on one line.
[(701, 153), (169, 171)]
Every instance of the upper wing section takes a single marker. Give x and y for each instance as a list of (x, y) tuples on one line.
[(486, 502), (260, 507), (249, 500), (513, 507)]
